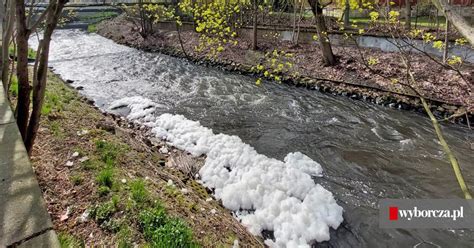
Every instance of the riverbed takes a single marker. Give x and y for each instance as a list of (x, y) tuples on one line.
[(368, 152)]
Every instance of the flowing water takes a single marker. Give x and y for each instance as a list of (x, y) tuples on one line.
[(367, 151)]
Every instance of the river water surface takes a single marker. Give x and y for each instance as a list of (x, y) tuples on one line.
[(367, 151)]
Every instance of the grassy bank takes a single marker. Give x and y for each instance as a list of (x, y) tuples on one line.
[(107, 184)]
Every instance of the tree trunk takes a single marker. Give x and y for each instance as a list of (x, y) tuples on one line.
[(294, 20), (39, 81), (446, 40), (23, 102), (456, 19), (407, 15), (347, 12), (254, 36), (7, 29), (324, 43)]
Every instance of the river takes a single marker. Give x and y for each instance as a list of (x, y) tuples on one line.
[(367, 152)]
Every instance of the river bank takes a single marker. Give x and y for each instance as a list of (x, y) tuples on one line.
[(448, 94), (106, 183)]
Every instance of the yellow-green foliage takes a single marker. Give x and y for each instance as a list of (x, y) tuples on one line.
[(215, 22), (158, 12), (275, 63)]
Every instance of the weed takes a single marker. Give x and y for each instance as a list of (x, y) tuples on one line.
[(124, 237), (90, 164), (69, 241), (104, 211), (152, 219), (111, 225), (103, 190), (105, 177), (52, 101), (56, 130), (138, 191), (108, 151)]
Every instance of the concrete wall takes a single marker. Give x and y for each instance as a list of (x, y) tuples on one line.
[(24, 219)]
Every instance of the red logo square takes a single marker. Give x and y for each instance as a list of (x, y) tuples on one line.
[(393, 213)]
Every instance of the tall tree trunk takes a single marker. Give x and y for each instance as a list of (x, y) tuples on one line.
[(294, 20), (407, 15), (254, 36), (446, 40), (8, 23), (23, 102), (347, 13), (324, 43), (39, 80)]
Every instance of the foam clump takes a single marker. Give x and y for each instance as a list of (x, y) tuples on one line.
[(264, 193)]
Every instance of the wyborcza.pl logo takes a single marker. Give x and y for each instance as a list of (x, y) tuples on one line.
[(426, 213), (409, 214)]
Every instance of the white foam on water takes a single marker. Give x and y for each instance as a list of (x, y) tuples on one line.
[(264, 193)]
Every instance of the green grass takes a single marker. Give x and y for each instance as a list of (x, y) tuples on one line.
[(14, 86), (109, 151), (100, 16), (102, 212), (106, 177), (56, 129), (162, 231), (138, 191), (69, 241), (31, 52)]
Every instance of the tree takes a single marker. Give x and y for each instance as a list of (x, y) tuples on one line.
[(408, 15), (324, 43), (456, 19), (254, 25), (7, 29), (28, 124)]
